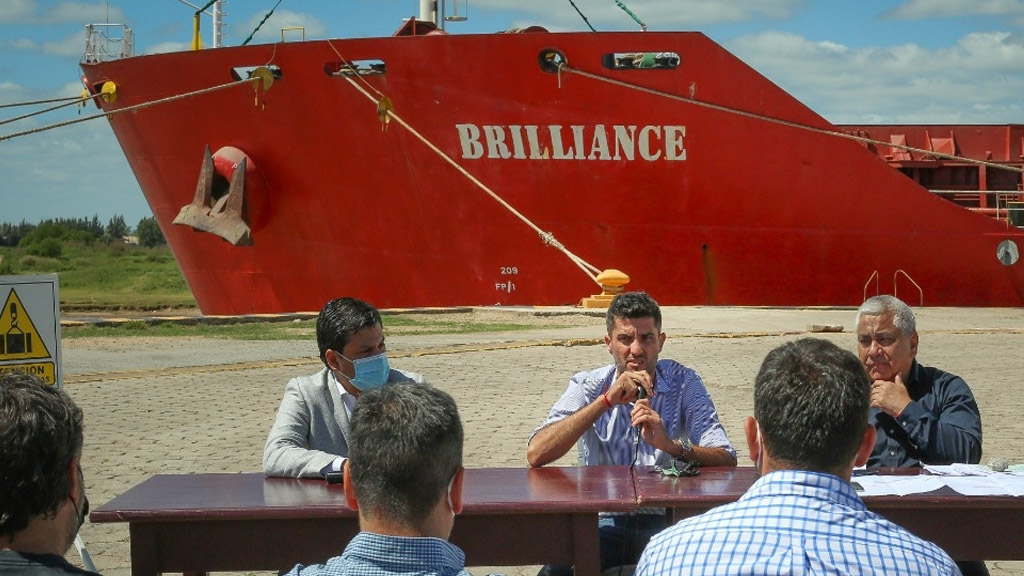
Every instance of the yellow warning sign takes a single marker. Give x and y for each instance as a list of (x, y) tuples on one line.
[(19, 339), (46, 371)]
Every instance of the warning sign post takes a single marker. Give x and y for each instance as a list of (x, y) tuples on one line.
[(30, 326)]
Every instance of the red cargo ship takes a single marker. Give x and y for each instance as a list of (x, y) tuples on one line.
[(427, 169)]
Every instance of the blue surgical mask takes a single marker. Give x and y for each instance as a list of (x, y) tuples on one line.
[(371, 372)]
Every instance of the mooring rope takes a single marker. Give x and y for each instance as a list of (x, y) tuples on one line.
[(73, 101), (563, 67), (35, 102), (127, 109), (547, 237)]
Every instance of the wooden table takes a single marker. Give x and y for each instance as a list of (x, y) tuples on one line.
[(511, 516), (966, 527), (235, 522)]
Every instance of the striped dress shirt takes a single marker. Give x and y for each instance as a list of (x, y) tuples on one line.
[(680, 398)]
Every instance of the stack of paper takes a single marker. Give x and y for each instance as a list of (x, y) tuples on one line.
[(967, 479)]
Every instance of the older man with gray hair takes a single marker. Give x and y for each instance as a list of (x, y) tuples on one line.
[(922, 415)]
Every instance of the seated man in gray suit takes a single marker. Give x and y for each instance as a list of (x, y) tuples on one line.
[(310, 435)]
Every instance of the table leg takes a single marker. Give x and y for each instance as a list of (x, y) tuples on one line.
[(143, 550), (586, 545)]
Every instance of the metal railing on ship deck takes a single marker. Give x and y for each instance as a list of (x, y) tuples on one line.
[(102, 43), (1009, 205)]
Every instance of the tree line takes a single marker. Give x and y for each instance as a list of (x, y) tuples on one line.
[(49, 236)]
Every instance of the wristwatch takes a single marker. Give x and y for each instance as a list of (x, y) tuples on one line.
[(684, 443)]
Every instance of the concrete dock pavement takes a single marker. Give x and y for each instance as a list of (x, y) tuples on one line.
[(195, 405)]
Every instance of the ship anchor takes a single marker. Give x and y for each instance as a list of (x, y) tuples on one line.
[(221, 215)]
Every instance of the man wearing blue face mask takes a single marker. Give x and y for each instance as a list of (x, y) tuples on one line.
[(310, 435)]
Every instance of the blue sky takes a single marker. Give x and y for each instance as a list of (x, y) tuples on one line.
[(852, 61)]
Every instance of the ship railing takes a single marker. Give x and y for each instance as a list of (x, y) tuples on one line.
[(874, 276), (1005, 201), (895, 285), (105, 42), (290, 29)]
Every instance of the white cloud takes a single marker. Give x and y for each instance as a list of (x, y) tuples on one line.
[(270, 31), (82, 12), (166, 47), (657, 14), (923, 9), (72, 45), (24, 44), (16, 11), (86, 182), (978, 79)]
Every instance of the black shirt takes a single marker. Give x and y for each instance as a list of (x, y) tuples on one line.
[(941, 425), (23, 564)]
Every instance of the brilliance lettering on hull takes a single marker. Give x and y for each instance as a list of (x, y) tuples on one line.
[(556, 142)]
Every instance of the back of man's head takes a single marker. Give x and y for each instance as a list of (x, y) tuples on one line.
[(40, 436), (405, 446), (811, 401), (632, 305), (339, 319)]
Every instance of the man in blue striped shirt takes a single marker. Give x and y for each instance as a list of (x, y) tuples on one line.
[(639, 410), (810, 428), (404, 476)]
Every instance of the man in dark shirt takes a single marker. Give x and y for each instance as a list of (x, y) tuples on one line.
[(42, 491), (922, 415)]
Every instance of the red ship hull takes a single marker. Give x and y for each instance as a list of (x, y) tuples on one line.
[(698, 205)]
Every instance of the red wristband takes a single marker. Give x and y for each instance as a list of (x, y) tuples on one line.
[(606, 401)]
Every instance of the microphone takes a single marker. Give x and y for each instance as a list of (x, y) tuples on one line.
[(641, 393)]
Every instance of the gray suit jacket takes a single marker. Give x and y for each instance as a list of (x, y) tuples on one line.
[(311, 428)]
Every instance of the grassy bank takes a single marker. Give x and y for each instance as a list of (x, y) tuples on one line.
[(135, 278), (305, 329), (114, 277)]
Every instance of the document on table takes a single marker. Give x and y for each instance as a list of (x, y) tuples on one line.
[(992, 485), (880, 485), (980, 480), (967, 479)]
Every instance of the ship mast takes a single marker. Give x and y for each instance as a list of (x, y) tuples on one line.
[(217, 16), (218, 23), (429, 12)]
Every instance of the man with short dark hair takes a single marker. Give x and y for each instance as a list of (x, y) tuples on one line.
[(42, 490), (310, 434), (404, 476), (809, 430), (638, 409)]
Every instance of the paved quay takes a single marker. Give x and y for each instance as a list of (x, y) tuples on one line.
[(196, 405)]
